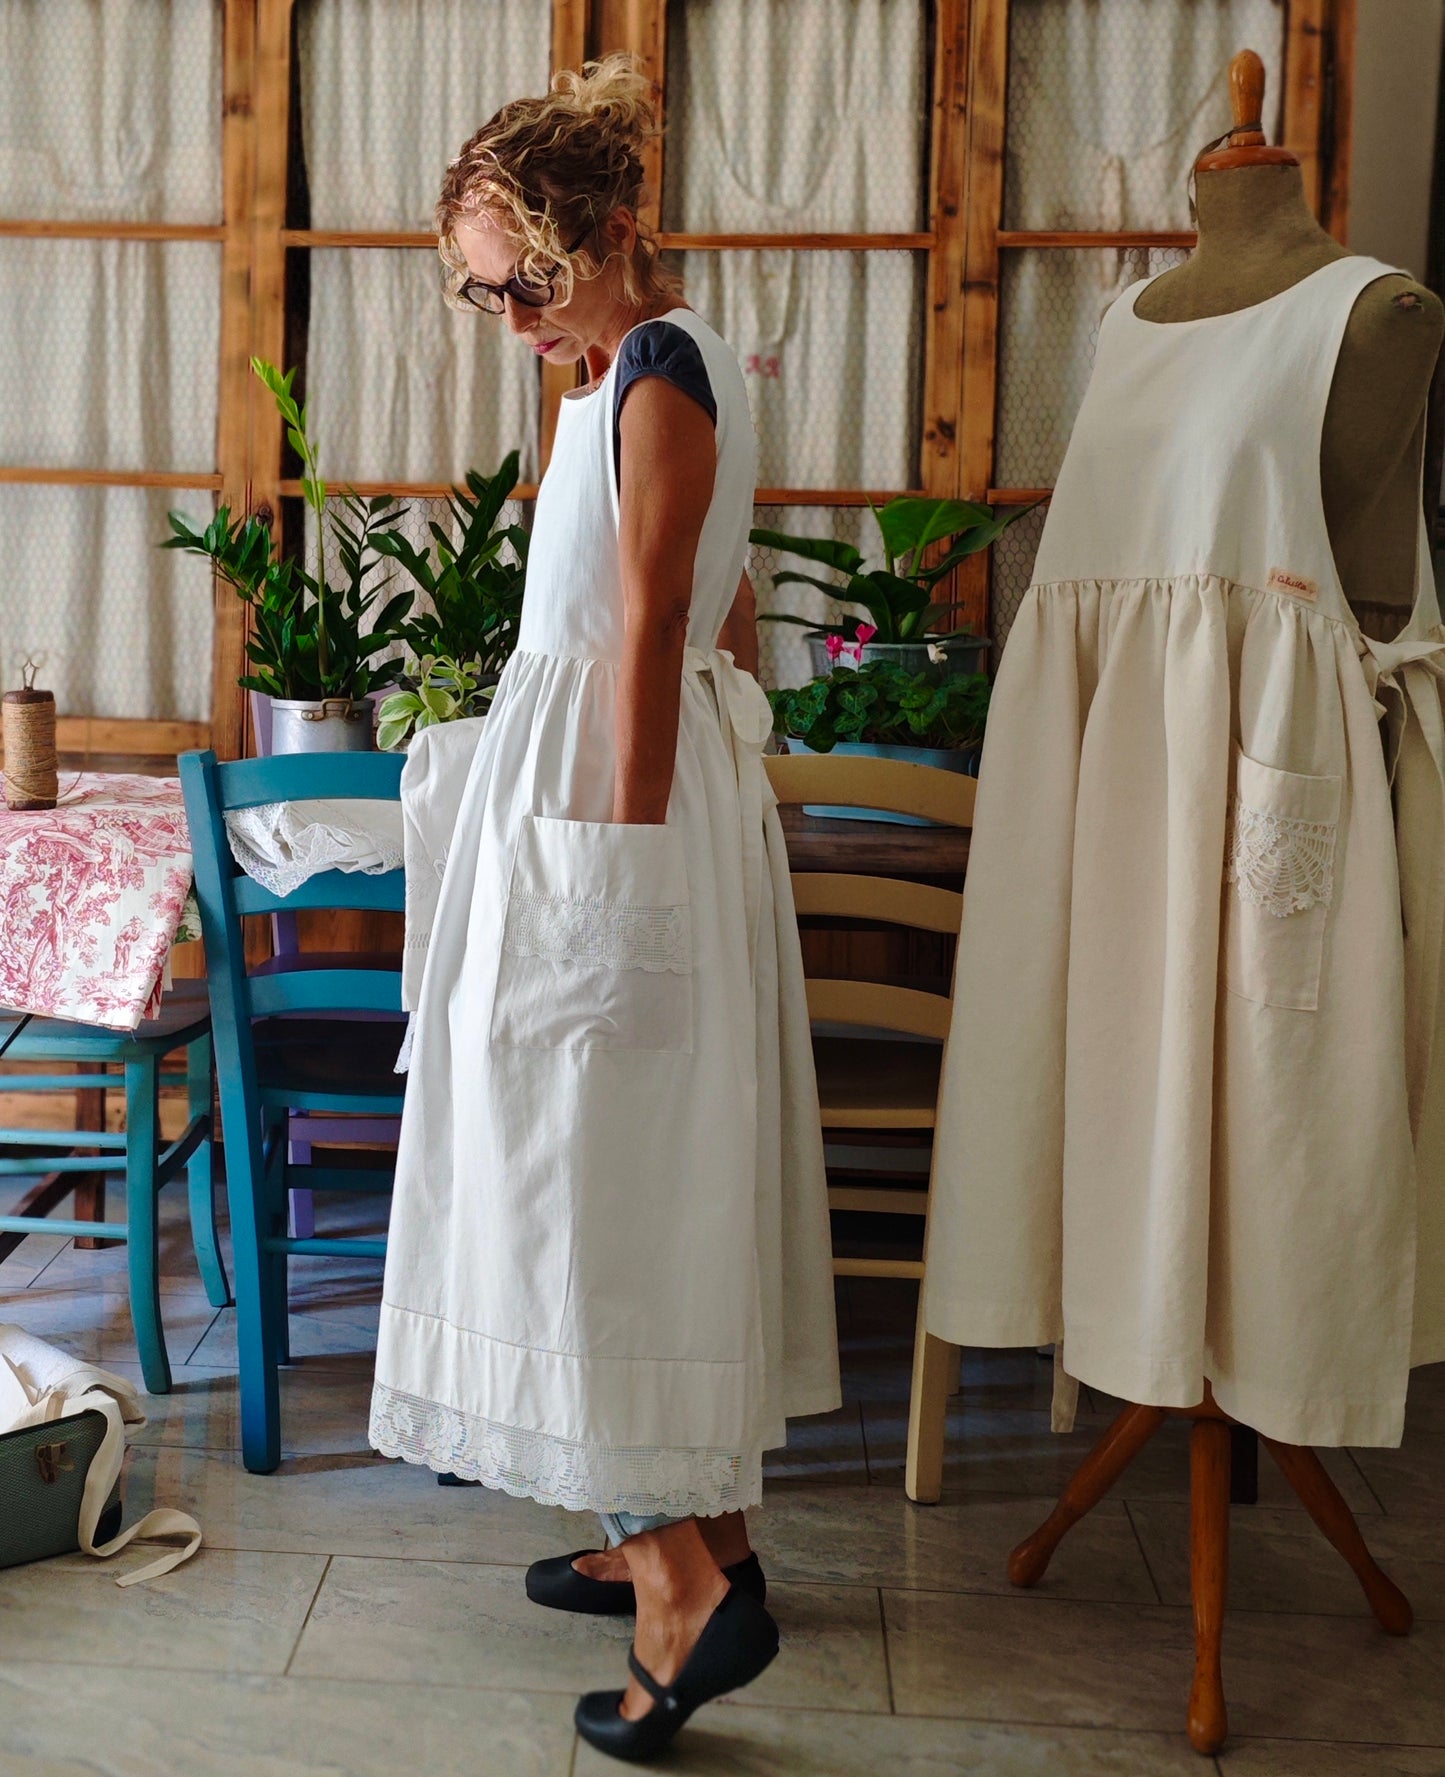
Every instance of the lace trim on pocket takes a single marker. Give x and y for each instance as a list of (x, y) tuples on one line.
[(1282, 865), (655, 939)]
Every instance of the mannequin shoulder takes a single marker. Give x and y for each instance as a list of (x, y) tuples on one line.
[(1395, 319)]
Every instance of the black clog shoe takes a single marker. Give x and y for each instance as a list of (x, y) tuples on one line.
[(557, 1584), (739, 1641)]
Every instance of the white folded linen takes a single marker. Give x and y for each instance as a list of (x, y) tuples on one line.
[(281, 844)]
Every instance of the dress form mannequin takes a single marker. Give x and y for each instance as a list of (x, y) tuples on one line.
[(1257, 237)]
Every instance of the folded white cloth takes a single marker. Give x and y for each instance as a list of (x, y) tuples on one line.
[(281, 844), (433, 782), (40, 1383)]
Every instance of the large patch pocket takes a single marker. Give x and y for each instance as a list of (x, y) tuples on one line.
[(1280, 877), (596, 940)]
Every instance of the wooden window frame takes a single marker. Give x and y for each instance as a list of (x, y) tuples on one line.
[(965, 243), (1318, 91)]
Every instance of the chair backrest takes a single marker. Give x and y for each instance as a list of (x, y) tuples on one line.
[(855, 781), (226, 894)]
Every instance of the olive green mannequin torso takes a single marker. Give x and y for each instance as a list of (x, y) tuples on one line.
[(1257, 237)]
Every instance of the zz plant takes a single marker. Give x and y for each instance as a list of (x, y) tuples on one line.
[(309, 639)]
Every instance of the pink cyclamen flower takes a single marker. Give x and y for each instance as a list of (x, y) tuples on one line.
[(866, 633), (834, 646)]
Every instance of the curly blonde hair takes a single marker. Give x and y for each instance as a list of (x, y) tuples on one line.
[(550, 167)]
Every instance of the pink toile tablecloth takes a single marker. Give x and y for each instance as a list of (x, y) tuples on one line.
[(91, 897)]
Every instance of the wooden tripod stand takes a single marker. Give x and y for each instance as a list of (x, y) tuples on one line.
[(1209, 1465)]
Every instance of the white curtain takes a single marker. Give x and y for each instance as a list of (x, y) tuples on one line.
[(401, 387), (806, 116), (109, 110), (1110, 101)]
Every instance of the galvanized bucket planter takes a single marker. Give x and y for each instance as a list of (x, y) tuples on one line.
[(328, 725), (963, 654)]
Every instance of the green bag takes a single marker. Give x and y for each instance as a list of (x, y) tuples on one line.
[(42, 1479)]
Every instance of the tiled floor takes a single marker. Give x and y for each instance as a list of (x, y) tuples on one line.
[(349, 1617)]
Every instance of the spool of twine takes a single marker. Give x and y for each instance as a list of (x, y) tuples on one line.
[(28, 718)]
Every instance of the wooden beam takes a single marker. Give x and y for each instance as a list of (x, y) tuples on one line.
[(569, 50), (765, 496), (35, 228), (271, 109), (987, 91), (233, 427), (939, 461), (405, 490), (140, 736), (1339, 120), (1305, 49), (1078, 237), (57, 477), (919, 241)]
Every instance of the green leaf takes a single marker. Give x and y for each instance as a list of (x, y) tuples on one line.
[(828, 550), (832, 589), (908, 525)]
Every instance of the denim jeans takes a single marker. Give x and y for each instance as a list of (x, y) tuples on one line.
[(620, 1525)]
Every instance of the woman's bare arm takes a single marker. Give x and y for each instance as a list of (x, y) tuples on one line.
[(739, 634), (669, 463)]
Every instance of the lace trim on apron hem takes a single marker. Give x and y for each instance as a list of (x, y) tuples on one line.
[(646, 1482), (1284, 866)]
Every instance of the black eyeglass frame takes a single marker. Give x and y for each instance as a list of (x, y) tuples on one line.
[(529, 295)]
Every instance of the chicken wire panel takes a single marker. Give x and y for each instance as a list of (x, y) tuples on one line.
[(111, 112), (1011, 573), (794, 116), (785, 659), (390, 90), (119, 626), (402, 388), (1110, 102), (1051, 302), (420, 515), (109, 353), (831, 346)]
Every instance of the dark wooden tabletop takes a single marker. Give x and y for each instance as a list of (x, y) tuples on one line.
[(873, 848)]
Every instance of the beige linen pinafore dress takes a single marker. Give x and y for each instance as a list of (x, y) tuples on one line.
[(608, 1274), (1176, 1120)]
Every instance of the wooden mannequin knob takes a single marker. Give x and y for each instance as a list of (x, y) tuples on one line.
[(1246, 98), (1246, 146)]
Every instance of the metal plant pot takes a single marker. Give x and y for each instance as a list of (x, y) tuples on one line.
[(963, 654), (961, 759), (328, 725)]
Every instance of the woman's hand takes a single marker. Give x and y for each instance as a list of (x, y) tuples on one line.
[(669, 463)]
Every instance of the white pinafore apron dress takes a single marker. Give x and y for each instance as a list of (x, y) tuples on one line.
[(1176, 1120), (608, 1273)]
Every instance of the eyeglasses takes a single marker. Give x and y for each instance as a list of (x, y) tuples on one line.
[(491, 299)]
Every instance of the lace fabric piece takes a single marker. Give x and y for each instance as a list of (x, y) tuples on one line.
[(1284, 866), (657, 940), (283, 844), (647, 1482)]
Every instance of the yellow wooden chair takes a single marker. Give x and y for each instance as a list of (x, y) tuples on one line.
[(885, 1084)]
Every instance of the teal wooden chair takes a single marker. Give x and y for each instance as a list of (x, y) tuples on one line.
[(305, 1036), (146, 1162)]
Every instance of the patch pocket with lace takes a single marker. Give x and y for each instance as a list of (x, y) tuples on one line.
[(1280, 876), (596, 940)]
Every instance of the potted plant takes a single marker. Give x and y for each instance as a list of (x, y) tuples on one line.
[(314, 646), (471, 606), (444, 690), (899, 600), (935, 717)]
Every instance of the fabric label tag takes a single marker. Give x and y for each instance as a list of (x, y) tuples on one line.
[(1294, 584)]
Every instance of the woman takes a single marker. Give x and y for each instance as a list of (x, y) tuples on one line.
[(608, 1277)]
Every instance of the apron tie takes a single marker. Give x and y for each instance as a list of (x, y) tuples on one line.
[(747, 721), (1404, 669)]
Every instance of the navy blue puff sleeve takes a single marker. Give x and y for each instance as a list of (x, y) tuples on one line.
[(659, 348)]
